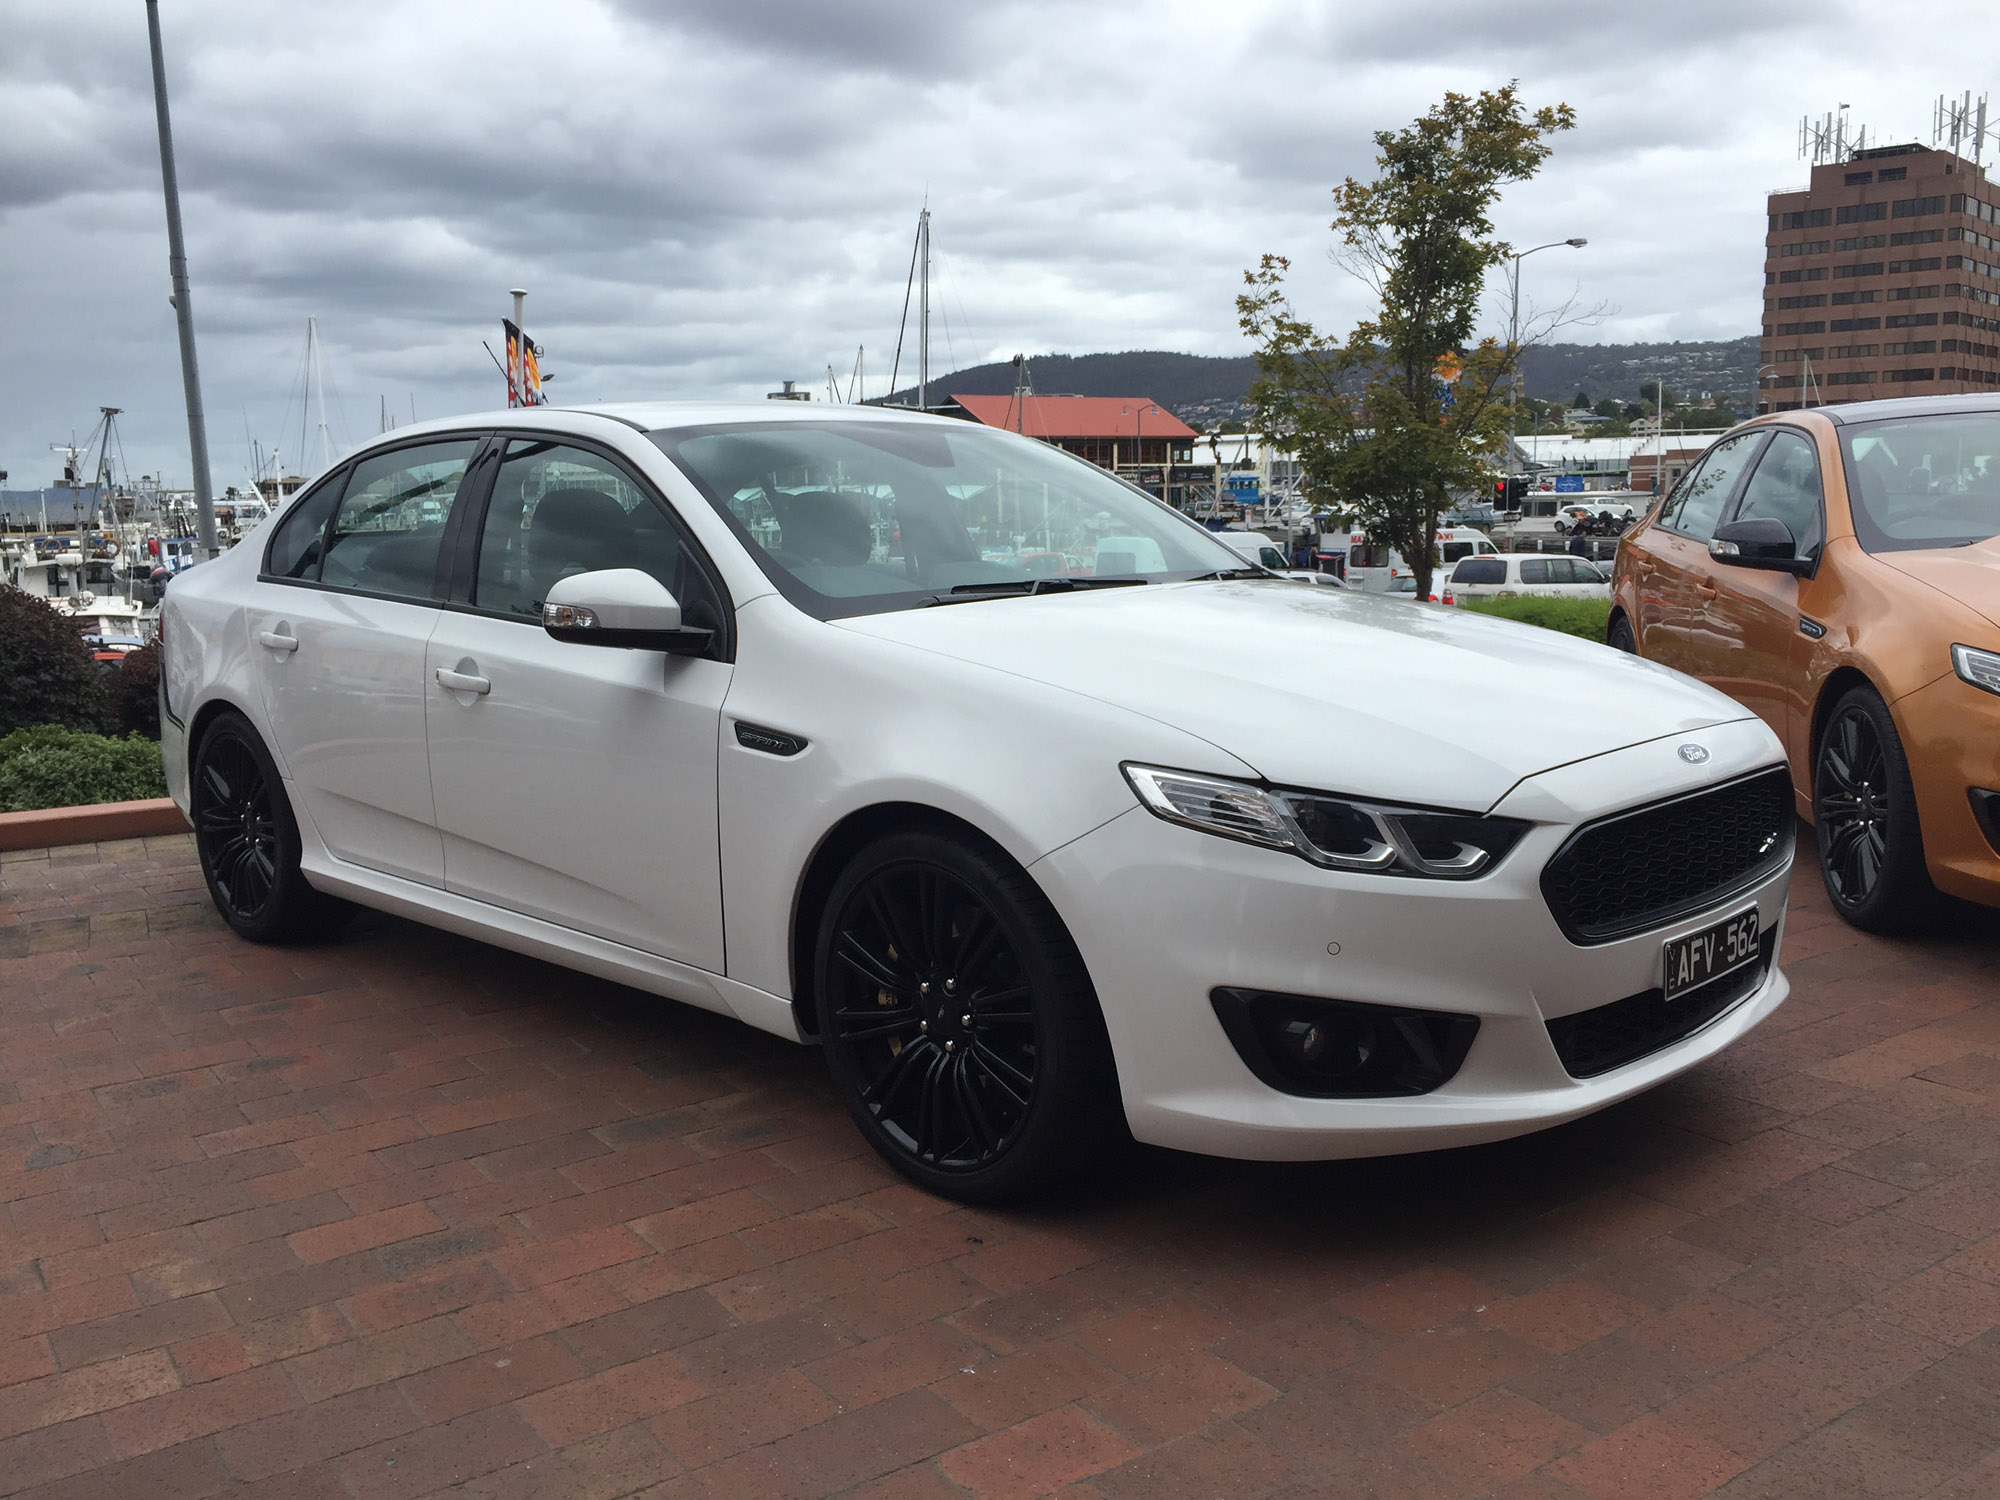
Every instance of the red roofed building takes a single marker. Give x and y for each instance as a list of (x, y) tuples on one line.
[(1129, 435)]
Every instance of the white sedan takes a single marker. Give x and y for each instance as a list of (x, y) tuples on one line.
[(734, 705)]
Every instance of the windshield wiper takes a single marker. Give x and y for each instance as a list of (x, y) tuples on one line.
[(967, 593), (1233, 573)]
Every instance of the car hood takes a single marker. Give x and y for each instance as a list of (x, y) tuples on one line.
[(1327, 688), (1971, 575)]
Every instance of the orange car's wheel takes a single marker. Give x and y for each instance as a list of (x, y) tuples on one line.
[(1619, 636), (1871, 847)]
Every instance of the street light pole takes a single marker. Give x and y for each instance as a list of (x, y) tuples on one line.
[(1757, 385), (204, 506), (1514, 352)]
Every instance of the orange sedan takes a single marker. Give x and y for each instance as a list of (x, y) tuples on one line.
[(1837, 571)]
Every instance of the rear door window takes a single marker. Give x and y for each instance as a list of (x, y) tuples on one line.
[(295, 544), (1480, 570), (386, 534), (1536, 569)]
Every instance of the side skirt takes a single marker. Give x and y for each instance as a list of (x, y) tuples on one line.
[(435, 907)]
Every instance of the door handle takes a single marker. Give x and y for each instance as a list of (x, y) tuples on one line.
[(278, 642), (462, 682)]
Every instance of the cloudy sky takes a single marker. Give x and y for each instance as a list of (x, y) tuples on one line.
[(709, 196)]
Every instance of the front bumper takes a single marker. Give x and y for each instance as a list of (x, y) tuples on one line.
[(1163, 915), (1951, 735)]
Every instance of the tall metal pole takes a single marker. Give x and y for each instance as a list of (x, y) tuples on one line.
[(204, 507), (1514, 351), (924, 318), (1513, 385), (517, 361)]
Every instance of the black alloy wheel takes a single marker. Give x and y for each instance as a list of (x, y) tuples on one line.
[(1619, 637), (1871, 852), (238, 829), (958, 1022), (248, 841)]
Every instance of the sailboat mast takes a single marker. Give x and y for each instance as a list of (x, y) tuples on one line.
[(924, 315), (319, 385)]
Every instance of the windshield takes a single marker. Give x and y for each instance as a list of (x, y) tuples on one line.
[(857, 517), (1930, 481)]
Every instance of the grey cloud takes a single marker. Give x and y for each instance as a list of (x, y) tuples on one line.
[(706, 197)]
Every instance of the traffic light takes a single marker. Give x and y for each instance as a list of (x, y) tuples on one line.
[(1507, 491)]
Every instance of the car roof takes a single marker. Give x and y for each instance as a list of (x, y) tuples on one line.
[(1515, 556), (651, 416), (1847, 413)]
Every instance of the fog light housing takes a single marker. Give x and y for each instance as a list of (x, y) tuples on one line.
[(1985, 809), (1343, 1049)]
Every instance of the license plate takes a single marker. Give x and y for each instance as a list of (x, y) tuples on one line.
[(1688, 963)]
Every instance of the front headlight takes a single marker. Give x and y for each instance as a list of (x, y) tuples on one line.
[(1339, 833), (1980, 668)]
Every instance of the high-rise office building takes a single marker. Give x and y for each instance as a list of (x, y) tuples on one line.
[(1882, 278)]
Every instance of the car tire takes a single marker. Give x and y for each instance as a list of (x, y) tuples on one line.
[(248, 840), (1871, 845), (1619, 636), (996, 1102)]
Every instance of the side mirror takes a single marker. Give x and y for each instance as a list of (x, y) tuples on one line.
[(1764, 543), (619, 607)]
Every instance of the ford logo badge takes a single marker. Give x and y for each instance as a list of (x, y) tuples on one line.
[(1694, 755)]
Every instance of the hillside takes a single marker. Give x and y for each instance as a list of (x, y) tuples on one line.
[(1203, 389)]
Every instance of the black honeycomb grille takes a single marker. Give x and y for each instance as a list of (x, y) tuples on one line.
[(1640, 869), (1596, 1041)]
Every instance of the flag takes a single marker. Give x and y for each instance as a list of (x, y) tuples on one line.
[(524, 389), (531, 373)]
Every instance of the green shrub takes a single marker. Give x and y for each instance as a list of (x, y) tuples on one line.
[(47, 675), (50, 766), (134, 691), (1588, 618)]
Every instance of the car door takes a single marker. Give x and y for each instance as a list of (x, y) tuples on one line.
[(1593, 579), (1679, 546), (577, 783), (1746, 640), (1535, 575), (340, 617)]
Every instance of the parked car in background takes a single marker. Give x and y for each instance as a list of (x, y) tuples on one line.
[(1405, 587), (1838, 571), (725, 703), (1589, 518), (1508, 573)]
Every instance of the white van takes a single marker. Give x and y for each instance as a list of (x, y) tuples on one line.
[(1372, 565), (1254, 546)]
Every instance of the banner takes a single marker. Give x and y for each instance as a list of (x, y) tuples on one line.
[(524, 357)]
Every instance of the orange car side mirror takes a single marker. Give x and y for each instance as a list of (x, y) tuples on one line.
[(1760, 543)]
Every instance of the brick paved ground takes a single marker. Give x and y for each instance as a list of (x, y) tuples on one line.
[(405, 1213)]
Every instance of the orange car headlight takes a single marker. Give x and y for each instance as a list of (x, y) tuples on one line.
[(1980, 668)]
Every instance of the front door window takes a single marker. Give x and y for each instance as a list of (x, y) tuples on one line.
[(1786, 488)]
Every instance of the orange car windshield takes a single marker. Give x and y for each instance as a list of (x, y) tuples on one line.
[(1928, 481)]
